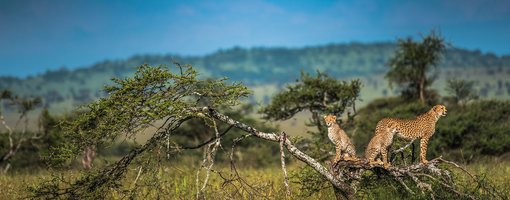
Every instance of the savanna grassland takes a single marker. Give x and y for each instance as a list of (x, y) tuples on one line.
[(177, 181), (156, 133)]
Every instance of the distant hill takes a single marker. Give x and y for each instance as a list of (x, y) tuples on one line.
[(266, 70)]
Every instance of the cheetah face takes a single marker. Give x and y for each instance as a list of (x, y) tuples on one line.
[(440, 110), (330, 120)]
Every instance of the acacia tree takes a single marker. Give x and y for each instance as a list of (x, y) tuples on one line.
[(461, 90), (156, 94), (412, 63)]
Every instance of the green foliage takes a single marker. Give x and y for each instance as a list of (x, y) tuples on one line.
[(411, 65), (321, 94), (461, 90), (309, 181), (135, 103), (480, 128)]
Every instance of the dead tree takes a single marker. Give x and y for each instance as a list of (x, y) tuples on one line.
[(17, 138)]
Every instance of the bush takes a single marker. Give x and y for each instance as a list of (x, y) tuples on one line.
[(480, 128)]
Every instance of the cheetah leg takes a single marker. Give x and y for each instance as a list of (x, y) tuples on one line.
[(372, 158), (375, 162), (347, 157), (338, 153), (384, 153), (423, 150), (350, 154)]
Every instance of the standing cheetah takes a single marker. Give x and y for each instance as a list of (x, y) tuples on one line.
[(344, 148), (422, 127)]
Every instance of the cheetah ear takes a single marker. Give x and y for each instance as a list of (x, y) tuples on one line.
[(324, 116), (334, 117)]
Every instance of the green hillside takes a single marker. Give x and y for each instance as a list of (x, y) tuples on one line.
[(266, 70)]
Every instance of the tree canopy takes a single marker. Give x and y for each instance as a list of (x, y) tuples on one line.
[(462, 90), (412, 63)]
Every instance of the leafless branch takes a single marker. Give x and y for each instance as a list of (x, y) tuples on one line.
[(213, 139), (9, 130), (209, 156), (457, 166), (16, 141), (283, 137), (138, 175), (403, 148)]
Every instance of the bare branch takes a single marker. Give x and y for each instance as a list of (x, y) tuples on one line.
[(138, 175), (9, 129), (15, 143), (252, 191), (403, 148), (399, 179), (446, 185), (206, 142), (209, 156), (456, 165), (283, 137)]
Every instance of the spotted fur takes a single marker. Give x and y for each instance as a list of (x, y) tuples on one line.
[(422, 127), (344, 148)]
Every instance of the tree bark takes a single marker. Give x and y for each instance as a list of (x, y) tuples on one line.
[(422, 90)]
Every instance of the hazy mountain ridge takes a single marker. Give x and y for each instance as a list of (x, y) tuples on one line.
[(254, 67)]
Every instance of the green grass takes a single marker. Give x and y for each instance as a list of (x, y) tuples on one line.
[(177, 181)]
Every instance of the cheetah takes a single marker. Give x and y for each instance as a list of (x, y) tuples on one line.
[(381, 142), (422, 127), (344, 148)]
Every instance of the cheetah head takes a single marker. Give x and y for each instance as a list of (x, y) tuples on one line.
[(330, 120), (440, 110)]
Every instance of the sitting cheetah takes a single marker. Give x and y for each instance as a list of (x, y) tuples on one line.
[(342, 142), (380, 143), (422, 127)]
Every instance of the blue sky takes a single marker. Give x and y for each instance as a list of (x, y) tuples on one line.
[(37, 35)]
